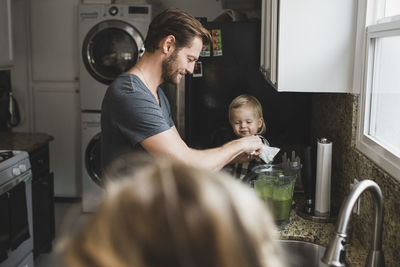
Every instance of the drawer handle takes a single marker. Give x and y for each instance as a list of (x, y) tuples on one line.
[(40, 161)]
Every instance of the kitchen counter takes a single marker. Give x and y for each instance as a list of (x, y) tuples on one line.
[(320, 233), (23, 141)]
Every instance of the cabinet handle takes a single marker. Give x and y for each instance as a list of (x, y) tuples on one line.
[(40, 161)]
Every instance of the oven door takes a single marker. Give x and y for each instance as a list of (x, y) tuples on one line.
[(111, 48), (21, 240)]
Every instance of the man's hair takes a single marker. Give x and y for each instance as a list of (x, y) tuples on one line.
[(178, 23), (251, 101), (167, 214)]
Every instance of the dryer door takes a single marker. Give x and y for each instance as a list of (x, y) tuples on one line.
[(93, 159), (110, 48)]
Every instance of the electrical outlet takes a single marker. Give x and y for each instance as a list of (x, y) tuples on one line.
[(356, 208)]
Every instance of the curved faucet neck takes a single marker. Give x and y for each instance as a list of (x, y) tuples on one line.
[(347, 208), (334, 254)]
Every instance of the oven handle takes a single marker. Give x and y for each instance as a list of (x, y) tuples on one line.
[(24, 177)]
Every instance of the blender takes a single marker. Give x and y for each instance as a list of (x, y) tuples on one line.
[(274, 184)]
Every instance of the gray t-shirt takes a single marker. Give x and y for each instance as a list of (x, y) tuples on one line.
[(130, 114)]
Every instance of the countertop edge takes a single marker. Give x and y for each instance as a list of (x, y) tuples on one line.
[(24, 141)]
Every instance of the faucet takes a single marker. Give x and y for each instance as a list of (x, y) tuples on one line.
[(335, 252)]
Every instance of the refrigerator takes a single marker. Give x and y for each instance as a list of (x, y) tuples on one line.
[(232, 68)]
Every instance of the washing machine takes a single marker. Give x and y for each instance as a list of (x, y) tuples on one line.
[(92, 190), (111, 41)]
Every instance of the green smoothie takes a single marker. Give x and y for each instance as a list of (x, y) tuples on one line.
[(264, 188), (281, 209), (276, 191)]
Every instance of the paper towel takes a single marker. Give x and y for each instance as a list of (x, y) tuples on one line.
[(268, 153), (323, 177)]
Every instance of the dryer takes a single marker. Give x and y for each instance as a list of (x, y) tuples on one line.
[(92, 190), (111, 41)]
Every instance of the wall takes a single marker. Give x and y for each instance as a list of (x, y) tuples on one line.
[(335, 116), (20, 69)]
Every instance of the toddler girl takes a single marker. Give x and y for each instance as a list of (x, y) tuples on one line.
[(246, 118)]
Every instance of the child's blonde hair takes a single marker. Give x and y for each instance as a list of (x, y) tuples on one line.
[(169, 214), (244, 100)]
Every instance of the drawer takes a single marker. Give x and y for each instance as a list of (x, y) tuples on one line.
[(40, 160)]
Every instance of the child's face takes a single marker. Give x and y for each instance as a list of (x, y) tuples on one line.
[(244, 121)]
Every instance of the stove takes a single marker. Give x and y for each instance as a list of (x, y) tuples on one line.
[(4, 155), (12, 164), (15, 176)]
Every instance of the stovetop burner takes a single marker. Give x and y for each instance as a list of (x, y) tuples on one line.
[(4, 155)]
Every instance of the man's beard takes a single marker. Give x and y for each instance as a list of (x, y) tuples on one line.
[(169, 71)]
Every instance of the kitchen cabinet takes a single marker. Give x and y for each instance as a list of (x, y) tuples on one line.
[(42, 200), (54, 38), (308, 46), (55, 93), (57, 113), (6, 44)]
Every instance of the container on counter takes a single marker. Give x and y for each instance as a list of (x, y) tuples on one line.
[(274, 183)]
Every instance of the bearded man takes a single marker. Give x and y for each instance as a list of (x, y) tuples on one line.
[(135, 112)]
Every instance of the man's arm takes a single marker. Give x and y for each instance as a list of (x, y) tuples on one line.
[(170, 144)]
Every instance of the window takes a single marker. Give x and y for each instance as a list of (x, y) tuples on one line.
[(378, 136)]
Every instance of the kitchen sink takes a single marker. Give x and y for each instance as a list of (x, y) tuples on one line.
[(302, 254)]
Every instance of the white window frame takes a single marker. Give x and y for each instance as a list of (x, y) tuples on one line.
[(366, 33)]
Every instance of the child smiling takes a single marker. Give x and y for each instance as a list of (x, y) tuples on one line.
[(246, 118)]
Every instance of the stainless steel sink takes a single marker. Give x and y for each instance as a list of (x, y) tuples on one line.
[(302, 254)]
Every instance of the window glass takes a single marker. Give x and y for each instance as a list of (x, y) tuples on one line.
[(392, 7), (384, 123), (379, 114)]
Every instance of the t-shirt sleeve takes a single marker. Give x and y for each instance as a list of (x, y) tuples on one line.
[(138, 116), (166, 107)]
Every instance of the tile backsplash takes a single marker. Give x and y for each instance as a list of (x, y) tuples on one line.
[(335, 116)]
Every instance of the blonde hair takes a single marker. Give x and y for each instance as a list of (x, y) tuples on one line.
[(248, 100), (169, 214)]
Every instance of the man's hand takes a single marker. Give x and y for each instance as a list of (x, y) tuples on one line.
[(171, 145), (244, 157), (252, 145)]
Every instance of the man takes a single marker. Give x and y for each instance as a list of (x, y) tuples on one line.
[(136, 113)]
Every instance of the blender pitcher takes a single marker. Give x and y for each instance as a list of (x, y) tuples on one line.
[(274, 183)]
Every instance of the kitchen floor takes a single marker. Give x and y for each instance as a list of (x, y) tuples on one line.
[(67, 215)]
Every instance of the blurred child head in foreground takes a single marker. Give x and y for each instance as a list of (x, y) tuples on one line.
[(169, 214)]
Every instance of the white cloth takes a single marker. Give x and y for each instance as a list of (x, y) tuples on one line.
[(268, 153)]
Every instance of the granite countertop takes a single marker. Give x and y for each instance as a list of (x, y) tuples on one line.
[(23, 141), (319, 233)]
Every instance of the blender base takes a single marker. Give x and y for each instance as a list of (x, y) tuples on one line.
[(315, 218)]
